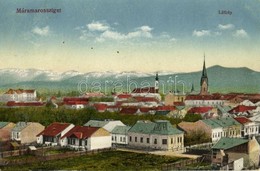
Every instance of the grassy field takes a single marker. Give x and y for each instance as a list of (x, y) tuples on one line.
[(112, 160)]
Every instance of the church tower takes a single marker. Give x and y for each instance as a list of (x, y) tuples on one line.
[(156, 83), (204, 81)]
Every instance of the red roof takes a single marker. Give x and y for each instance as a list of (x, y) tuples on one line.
[(19, 91), (242, 120), (54, 129), (145, 90), (75, 103), (199, 110), (21, 104), (100, 106), (145, 99), (124, 96), (128, 110), (242, 108), (66, 99), (205, 97), (81, 132), (178, 103), (167, 108)]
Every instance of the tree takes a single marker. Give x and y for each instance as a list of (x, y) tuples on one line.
[(192, 117), (196, 137)]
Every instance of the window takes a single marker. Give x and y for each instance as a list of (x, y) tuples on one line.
[(130, 139), (121, 139), (112, 138), (164, 141), (141, 139), (115, 138), (171, 140), (155, 141), (135, 139), (180, 139), (148, 140), (124, 139)]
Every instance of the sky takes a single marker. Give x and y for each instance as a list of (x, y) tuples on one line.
[(130, 35)]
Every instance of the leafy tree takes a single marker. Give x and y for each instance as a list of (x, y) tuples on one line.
[(192, 117), (196, 137)]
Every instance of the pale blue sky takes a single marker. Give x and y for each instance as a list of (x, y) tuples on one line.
[(150, 35)]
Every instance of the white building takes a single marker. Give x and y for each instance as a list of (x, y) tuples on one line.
[(87, 138), (19, 95), (53, 133), (156, 135), (204, 100), (120, 135), (249, 128)]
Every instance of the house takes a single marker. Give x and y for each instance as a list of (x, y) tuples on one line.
[(158, 135), (19, 95), (75, 102), (242, 110), (26, 132), (52, 134), (5, 131), (205, 111), (87, 138), (249, 128), (204, 100), (171, 98), (214, 129), (228, 150), (108, 125), (100, 107), (14, 104), (223, 110), (120, 135)]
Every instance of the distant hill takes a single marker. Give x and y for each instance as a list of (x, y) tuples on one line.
[(221, 79)]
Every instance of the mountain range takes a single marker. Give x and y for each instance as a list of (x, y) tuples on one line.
[(221, 79)]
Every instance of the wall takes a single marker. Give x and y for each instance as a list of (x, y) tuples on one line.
[(99, 142)]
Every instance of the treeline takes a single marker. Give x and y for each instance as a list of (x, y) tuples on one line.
[(47, 116)]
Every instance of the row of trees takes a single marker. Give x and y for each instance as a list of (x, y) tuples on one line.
[(47, 116)]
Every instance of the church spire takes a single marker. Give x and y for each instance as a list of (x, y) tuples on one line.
[(204, 73), (204, 80)]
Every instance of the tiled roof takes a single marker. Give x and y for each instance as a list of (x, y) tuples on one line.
[(95, 123), (188, 126), (19, 91), (211, 123), (13, 104), (120, 130), (100, 106), (81, 132), (204, 97), (226, 122), (199, 110), (75, 102), (144, 90), (54, 129), (3, 124), (168, 108), (242, 108), (145, 99), (20, 126), (164, 127), (227, 143), (124, 96), (224, 109), (242, 120), (67, 99), (144, 127), (128, 110), (161, 127)]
